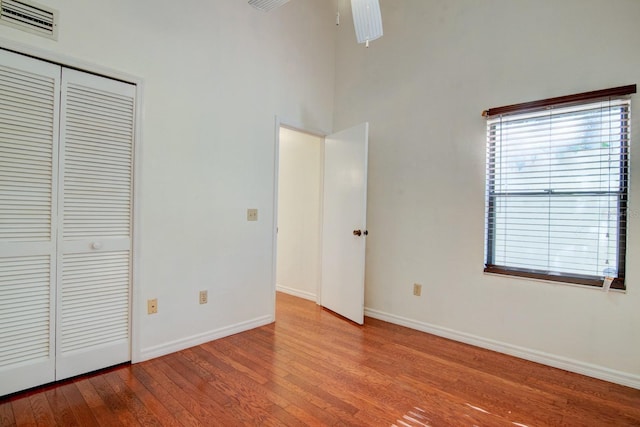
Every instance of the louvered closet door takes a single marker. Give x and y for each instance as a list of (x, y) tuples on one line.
[(94, 253), (29, 101)]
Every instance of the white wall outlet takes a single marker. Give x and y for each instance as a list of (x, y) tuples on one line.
[(152, 306), (417, 289), (203, 297), (252, 214)]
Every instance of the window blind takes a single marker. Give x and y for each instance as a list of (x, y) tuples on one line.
[(556, 198)]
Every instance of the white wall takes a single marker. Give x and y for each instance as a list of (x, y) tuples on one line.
[(299, 184), (215, 75), (422, 87)]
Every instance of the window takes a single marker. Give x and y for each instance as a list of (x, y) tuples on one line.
[(557, 184)]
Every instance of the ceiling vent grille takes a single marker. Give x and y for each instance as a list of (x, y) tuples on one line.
[(267, 5), (29, 16)]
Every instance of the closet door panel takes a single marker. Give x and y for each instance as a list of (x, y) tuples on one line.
[(94, 264), (29, 105)]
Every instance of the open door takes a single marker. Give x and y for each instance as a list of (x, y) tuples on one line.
[(344, 222)]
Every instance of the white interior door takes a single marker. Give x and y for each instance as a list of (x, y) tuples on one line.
[(344, 222), (29, 99), (94, 246)]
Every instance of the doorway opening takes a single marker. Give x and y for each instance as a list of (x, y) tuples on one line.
[(320, 217), (299, 213)]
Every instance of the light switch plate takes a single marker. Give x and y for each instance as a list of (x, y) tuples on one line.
[(203, 298), (417, 289), (252, 214)]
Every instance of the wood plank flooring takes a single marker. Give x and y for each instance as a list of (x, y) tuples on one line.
[(313, 368)]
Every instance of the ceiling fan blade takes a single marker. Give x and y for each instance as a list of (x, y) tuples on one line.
[(367, 19)]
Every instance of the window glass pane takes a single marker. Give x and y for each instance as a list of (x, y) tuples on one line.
[(561, 234), (556, 189)]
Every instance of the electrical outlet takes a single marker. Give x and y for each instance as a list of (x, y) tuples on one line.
[(417, 289), (252, 214), (152, 306), (203, 297)]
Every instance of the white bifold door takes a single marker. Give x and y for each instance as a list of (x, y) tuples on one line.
[(66, 153)]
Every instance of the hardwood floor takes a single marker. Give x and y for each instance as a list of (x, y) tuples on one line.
[(313, 368)]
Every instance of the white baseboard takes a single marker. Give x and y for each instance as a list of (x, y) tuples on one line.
[(194, 340), (595, 371), (296, 292)]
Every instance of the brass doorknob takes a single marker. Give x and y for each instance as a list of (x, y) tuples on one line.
[(357, 232)]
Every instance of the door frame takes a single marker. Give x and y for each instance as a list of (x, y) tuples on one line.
[(296, 127), (135, 299)]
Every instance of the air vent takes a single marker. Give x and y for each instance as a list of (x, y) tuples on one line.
[(267, 5), (30, 16)]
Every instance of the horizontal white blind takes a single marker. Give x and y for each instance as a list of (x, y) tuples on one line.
[(98, 161), (26, 155), (557, 189)]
